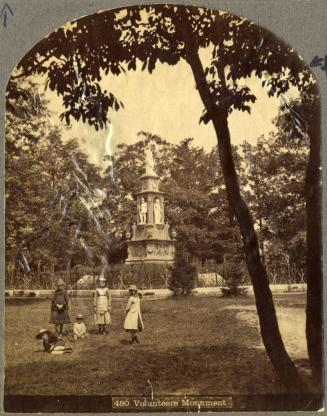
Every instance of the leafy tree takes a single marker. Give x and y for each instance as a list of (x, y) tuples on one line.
[(49, 213), (75, 62), (274, 177), (286, 158), (195, 202), (300, 123)]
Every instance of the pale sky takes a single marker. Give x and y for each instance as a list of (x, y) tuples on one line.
[(166, 103)]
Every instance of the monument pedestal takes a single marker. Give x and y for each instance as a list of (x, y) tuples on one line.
[(151, 243), (150, 251)]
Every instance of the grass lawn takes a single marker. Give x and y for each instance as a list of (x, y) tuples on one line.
[(199, 345)]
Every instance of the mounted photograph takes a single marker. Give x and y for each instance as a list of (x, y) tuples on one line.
[(163, 218)]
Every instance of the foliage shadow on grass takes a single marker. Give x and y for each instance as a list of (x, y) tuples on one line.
[(205, 370)]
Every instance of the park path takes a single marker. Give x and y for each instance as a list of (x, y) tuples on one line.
[(291, 322)]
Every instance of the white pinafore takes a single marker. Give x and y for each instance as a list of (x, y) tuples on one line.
[(102, 302)]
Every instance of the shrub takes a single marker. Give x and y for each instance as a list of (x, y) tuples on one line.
[(32, 294), (183, 275), (233, 289), (234, 277)]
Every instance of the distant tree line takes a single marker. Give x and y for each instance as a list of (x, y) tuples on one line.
[(64, 215)]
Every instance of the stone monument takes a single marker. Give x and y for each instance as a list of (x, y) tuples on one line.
[(150, 241)]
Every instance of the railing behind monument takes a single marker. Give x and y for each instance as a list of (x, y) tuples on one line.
[(32, 280), (147, 276)]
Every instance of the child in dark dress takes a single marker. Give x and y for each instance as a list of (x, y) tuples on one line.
[(52, 344), (59, 307)]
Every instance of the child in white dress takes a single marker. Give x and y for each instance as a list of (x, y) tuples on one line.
[(133, 320), (79, 328)]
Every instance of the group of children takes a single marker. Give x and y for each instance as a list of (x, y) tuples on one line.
[(59, 316)]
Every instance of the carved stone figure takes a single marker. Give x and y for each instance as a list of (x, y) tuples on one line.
[(150, 249), (143, 210), (149, 162), (157, 211), (140, 251)]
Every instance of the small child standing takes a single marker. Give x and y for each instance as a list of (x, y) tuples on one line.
[(133, 320), (102, 306), (59, 307), (51, 343), (79, 328)]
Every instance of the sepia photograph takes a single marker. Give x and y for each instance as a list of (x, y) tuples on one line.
[(163, 226)]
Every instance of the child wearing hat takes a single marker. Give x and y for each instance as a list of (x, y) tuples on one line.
[(102, 306), (51, 343), (59, 307), (133, 320), (79, 329)]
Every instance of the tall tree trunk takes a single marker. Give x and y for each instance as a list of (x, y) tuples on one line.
[(314, 323), (270, 333)]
